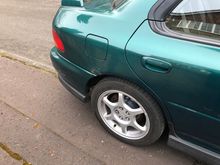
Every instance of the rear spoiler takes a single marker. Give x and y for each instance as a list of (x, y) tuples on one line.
[(77, 3)]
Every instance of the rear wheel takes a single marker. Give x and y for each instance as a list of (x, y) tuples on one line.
[(127, 112)]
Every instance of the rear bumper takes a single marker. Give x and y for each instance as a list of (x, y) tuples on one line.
[(73, 77), (72, 90)]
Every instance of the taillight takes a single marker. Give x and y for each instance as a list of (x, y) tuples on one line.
[(58, 41)]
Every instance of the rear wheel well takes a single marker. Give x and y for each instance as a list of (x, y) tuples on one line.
[(93, 81)]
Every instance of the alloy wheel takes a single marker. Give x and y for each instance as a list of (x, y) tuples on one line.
[(123, 114)]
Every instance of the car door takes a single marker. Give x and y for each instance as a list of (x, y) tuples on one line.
[(182, 67)]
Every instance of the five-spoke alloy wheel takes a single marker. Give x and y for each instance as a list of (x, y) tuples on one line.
[(127, 112)]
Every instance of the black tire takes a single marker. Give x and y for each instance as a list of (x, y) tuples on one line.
[(152, 109)]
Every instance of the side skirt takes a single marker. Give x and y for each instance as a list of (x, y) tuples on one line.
[(198, 152)]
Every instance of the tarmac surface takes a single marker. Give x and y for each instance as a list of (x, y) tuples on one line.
[(40, 122), (26, 27), (45, 124)]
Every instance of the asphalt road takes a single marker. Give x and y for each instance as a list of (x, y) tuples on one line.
[(64, 122), (43, 122), (25, 27)]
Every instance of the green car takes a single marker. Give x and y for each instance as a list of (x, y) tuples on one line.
[(145, 65)]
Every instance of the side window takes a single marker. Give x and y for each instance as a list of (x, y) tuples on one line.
[(196, 17)]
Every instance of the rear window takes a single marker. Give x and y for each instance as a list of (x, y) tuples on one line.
[(102, 4)]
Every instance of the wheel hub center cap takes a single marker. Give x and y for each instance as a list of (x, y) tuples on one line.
[(122, 114)]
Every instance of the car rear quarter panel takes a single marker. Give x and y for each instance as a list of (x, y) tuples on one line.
[(74, 24)]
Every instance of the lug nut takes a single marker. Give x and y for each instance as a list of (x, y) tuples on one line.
[(120, 108)]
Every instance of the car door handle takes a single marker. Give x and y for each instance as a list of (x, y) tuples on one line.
[(156, 65)]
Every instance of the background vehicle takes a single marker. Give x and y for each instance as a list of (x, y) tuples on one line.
[(145, 64)]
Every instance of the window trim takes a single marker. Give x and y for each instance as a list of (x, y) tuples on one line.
[(162, 29), (159, 26), (161, 8)]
